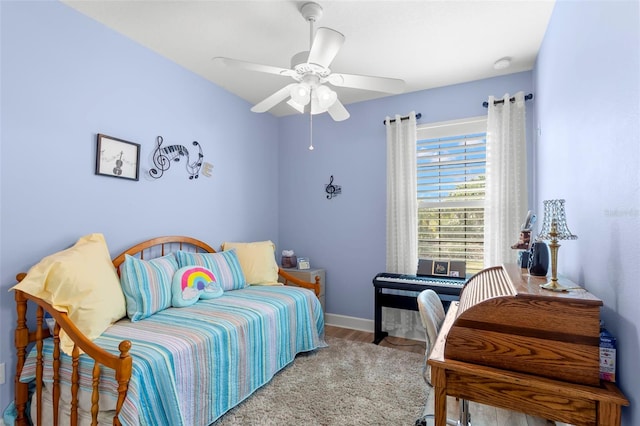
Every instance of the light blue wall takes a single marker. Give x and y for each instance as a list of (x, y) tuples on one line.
[(346, 235), (66, 78), (587, 80)]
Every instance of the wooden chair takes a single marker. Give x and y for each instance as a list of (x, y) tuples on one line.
[(432, 315)]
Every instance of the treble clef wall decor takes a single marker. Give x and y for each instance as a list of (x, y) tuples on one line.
[(162, 158), (332, 190)]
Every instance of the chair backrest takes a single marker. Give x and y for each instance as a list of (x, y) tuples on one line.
[(432, 315)]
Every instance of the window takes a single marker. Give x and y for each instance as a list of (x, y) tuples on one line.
[(451, 159)]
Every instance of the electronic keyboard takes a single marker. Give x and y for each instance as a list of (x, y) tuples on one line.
[(417, 279), (385, 285), (441, 285)]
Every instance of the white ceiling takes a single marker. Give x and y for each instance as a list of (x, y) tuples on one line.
[(426, 43)]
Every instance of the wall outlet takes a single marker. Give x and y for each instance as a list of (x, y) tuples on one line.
[(2, 374)]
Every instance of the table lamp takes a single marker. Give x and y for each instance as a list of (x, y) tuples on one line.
[(554, 228)]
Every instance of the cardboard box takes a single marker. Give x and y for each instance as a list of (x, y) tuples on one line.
[(607, 356)]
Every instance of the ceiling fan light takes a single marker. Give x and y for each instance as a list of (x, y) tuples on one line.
[(300, 93), (326, 97), (316, 107)]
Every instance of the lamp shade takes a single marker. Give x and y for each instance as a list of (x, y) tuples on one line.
[(554, 212)]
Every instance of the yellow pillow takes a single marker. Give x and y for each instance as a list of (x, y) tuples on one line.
[(82, 282), (257, 260)]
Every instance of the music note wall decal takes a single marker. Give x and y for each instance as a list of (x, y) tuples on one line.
[(163, 156), (332, 190)]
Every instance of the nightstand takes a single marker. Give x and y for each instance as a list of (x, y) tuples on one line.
[(310, 276)]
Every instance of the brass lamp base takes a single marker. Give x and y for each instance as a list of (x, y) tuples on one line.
[(554, 286), (554, 246)]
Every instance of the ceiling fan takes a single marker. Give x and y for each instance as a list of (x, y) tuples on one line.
[(311, 73)]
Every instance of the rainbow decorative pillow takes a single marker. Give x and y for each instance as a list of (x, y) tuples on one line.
[(192, 283)]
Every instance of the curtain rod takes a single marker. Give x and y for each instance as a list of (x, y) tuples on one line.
[(485, 104), (501, 101), (393, 120)]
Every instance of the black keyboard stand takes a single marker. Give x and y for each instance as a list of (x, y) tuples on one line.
[(446, 294)]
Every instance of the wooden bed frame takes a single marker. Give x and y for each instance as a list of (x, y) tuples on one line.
[(121, 364)]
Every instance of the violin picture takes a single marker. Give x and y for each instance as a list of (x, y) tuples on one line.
[(117, 158), (117, 170)]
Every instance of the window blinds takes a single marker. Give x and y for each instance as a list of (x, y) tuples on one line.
[(450, 191)]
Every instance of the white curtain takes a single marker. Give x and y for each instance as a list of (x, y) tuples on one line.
[(506, 179), (402, 202), (402, 216)]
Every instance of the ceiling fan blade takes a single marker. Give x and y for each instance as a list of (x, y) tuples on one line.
[(325, 47), (250, 66), (337, 111), (366, 82), (273, 100)]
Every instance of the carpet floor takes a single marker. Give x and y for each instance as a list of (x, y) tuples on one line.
[(348, 383)]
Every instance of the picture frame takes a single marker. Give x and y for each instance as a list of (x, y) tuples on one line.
[(117, 158), (304, 263), (440, 267)]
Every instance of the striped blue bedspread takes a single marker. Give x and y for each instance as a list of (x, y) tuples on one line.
[(193, 364)]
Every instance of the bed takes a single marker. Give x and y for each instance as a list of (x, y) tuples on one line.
[(183, 365)]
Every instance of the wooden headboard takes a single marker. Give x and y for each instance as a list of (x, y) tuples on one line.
[(160, 246)]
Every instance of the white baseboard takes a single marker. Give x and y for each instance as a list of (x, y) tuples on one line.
[(352, 323), (361, 324)]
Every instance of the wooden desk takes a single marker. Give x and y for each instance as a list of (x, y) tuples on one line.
[(551, 399)]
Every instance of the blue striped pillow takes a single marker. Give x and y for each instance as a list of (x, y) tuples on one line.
[(147, 285), (224, 265)]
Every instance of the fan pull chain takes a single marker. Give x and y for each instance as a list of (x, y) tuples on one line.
[(310, 130), (311, 119)]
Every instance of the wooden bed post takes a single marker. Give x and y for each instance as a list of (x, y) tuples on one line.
[(21, 341), (123, 374)]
